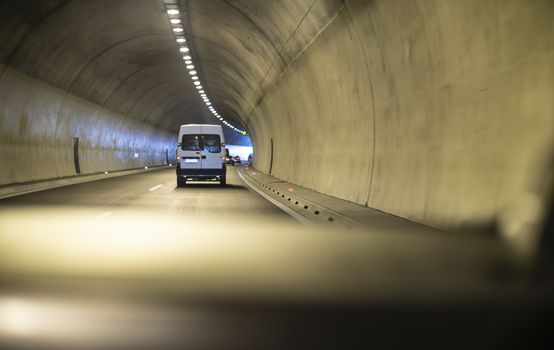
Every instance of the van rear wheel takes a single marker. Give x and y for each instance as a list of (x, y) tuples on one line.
[(181, 182)]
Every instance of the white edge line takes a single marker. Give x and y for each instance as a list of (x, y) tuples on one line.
[(281, 206), (155, 188)]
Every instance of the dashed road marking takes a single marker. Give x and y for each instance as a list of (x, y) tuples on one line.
[(155, 188), (103, 216)]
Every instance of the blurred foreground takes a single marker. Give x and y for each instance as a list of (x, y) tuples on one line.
[(79, 279)]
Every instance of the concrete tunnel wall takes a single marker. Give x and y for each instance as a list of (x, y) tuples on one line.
[(435, 111), (39, 123)]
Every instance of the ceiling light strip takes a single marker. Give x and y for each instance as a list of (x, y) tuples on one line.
[(176, 22)]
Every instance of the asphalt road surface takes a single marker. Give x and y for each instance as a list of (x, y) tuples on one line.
[(157, 191)]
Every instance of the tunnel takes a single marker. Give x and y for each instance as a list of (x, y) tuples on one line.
[(417, 136)]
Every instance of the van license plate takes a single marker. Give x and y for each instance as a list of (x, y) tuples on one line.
[(191, 160)]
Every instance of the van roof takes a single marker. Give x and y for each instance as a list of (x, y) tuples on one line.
[(200, 125)]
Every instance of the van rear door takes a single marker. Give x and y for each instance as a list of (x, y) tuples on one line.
[(191, 149), (212, 152)]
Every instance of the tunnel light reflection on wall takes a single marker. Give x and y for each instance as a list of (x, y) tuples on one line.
[(175, 20)]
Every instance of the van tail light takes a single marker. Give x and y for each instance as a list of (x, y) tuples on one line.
[(223, 158), (178, 157)]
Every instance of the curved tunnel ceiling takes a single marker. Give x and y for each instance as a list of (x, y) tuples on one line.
[(122, 54)]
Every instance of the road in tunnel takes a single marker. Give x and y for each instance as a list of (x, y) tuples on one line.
[(156, 191)]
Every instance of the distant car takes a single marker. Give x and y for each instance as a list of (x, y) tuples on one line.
[(250, 158), (237, 159), (229, 160)]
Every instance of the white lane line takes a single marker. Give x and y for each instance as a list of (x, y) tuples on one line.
[(281, 206), (103, 216), (155, 188)]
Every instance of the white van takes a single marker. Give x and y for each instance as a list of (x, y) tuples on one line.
[(201, 153)]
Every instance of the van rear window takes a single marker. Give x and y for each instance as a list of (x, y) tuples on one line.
[(210, 143), (191, 143)]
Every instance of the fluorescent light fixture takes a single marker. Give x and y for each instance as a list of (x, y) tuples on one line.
[(181, 40), (196, 83), (175, 21), (184, 49), (187, 61), (190, 66), (208, 103), (172, 12), (192, 72), (194, 77), (198, 86), (178, 30), (187, 57), (201, 91), (202, 95)]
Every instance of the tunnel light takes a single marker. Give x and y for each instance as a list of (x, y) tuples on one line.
[(145, 167), (181, 39), (105, 172)]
